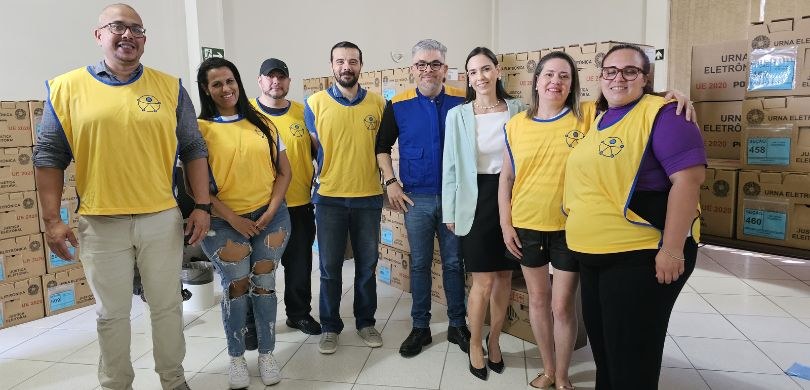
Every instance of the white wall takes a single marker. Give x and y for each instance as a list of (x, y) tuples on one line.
[(44, 38), (302, 33)]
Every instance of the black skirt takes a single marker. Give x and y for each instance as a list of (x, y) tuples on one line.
[(482, 248)]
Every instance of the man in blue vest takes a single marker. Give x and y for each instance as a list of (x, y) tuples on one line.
[(417, 117)]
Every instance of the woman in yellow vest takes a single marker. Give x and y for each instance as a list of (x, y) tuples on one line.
[(631, 196), (538, 142), (471, 163), (250, 174)]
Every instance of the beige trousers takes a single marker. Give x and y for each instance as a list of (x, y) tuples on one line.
[(111, 247)]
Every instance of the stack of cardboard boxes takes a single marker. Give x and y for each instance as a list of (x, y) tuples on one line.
[(31, 282), (754, 107)]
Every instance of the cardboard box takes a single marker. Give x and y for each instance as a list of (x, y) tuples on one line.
[(70, 175), (21, 301), (21, 258), (718, 200), (395, 81), (437, 284), (54, 263), (588, 58), (15, 124), (395, 236), (68, 209), (456, 78), (314, 85), (517, 72), (19, 214), (774, 208), (393, 268), (35, 108), (393, 217), (720, 124), (371, 81), (765, 146), (786, 32), (66, 290), (719, 71), (16, 170)]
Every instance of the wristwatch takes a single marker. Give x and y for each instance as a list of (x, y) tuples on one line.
[(203, 206)]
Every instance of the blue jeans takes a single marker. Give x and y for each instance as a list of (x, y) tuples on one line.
[(363, 225), (423, 221), (247, 279)]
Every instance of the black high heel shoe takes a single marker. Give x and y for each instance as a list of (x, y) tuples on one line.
[(480, 373), (497, 367)]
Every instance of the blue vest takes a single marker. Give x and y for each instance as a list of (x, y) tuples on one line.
[(421, 123)]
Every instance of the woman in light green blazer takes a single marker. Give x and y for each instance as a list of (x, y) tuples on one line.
[(473, 156)]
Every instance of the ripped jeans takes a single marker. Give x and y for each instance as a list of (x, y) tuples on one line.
[(248, 271)]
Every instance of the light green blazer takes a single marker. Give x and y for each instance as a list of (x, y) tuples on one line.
[(459, 172)]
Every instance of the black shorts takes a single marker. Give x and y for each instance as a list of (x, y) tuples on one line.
[(541, 248)]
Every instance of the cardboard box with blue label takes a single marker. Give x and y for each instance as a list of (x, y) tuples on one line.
[(718, 199), (15, 124), (395, 81), (395, 236), (66, 290), (21, 258), (393, 268), (16, 170), (778, 60), (774, 208), (19, 214), (776, 133), (21, 301)]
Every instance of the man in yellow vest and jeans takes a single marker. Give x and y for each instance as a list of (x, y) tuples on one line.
[(124, 125)]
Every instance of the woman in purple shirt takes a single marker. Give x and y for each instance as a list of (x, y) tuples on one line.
[(631, 195)]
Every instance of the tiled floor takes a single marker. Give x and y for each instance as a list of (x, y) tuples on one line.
[(742, 319)]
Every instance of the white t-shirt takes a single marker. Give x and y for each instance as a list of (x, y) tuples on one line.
[(490, 142)]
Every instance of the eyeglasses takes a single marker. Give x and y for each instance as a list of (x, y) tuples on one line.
[(120, 28), (629, 73), (423, 66)]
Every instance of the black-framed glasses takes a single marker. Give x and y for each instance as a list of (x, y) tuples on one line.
[(629, 73), (423, 66), (120, 28)]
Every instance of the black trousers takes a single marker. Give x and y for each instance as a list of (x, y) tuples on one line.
[(297, 262), (626, 313)]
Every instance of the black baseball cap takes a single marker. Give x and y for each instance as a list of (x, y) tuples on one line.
[(272, 64)]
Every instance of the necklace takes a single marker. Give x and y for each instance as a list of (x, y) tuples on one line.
[(480, 107)]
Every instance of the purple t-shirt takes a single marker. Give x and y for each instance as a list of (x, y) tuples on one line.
[(676, 145)]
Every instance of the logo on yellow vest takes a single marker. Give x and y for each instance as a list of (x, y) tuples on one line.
[(371, 122), (572, 137), (297, 129), (610, 147), (148, 103)]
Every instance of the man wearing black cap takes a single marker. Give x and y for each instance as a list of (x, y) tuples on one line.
[(288, 117)]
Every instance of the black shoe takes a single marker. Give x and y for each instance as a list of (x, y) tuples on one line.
[(497, 367), (418, 338), (459, 335), (480, 373), (307, 325)]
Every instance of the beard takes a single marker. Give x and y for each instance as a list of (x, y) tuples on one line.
[(348, 83)]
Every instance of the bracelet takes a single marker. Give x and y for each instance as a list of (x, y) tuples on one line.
[(391, 180), (668, 253)]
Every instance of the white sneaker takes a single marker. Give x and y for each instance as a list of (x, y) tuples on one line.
[(238, 376), (268, 368)]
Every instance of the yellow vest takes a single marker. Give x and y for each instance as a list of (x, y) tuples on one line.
[(240, 160), (599, 181), (539, 149), (123, 138), (348, 164), (294, 133)]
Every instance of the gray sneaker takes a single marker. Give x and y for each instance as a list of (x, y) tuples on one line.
[(328, 343), (370, 336)]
